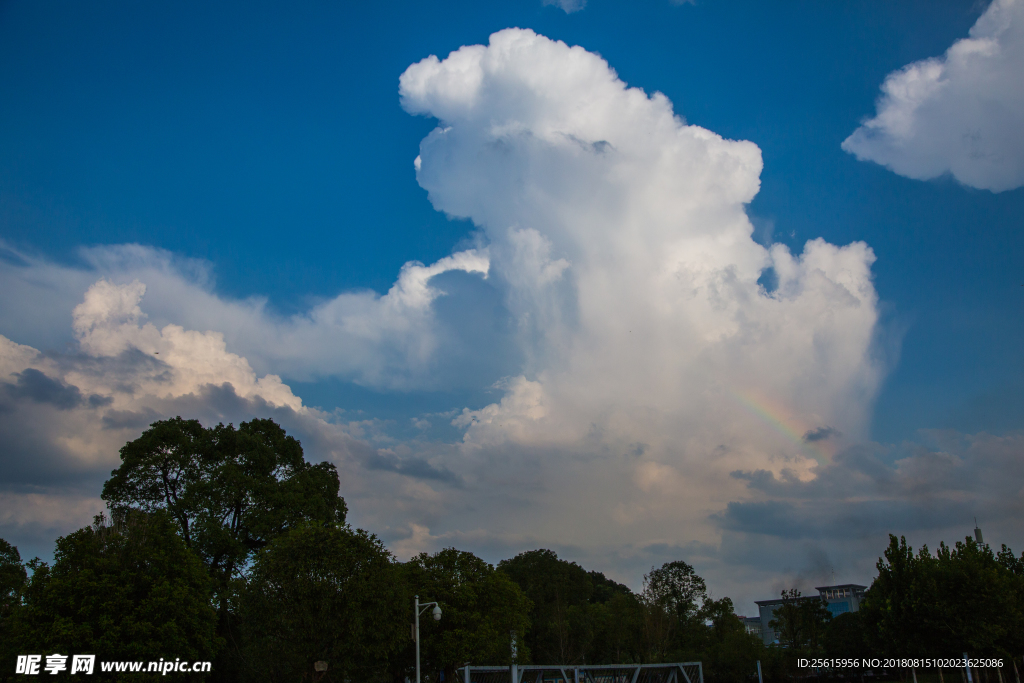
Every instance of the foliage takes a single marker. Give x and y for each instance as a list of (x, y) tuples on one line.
[(672, 597), (568, 622), (481, 609), (964, 598), (230, 491), (238, 518), (846, 637), (617, 624), (322, 592), (12, 578), (728, 652), (801, 621), (12, 583), (131, 591)]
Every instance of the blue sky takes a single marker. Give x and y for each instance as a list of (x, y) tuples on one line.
[(261, 153)]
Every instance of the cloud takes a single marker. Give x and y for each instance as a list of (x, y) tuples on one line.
[(389, 341), (654, 361), (821, 434), (64, 416), (929, 492), (34, 385), (620, 237), (962, 113), (658, 404), (569, 6)]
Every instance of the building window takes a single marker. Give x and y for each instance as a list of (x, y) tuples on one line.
[(837, 608)]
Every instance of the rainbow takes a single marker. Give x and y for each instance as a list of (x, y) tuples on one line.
[(781, 419)]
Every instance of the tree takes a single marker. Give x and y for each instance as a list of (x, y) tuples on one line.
[(672, 598), (230, 491), (12, 582), (12, 578), (977, 601), (322, 592), (895, 603), (481, 610), (729, 653), (131, 591), (801, 621), (564, 618), (846, 637)]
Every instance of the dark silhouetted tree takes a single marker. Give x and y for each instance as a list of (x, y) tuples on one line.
[(322, 592)]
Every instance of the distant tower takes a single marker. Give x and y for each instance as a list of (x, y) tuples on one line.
[(977, 533)]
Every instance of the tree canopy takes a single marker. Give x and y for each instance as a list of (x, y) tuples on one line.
[(563, 596), (481, 608), (237, 518), (962, 598), (131, 591), (230, 491), (322, 593)]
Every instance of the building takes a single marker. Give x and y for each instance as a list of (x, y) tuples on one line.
[(752, 624), (843, 598)]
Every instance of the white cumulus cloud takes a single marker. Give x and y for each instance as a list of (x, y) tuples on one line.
[(962, 113), (382, 341), (655, 362)]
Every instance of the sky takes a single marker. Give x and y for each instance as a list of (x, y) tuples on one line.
[(736, 283)]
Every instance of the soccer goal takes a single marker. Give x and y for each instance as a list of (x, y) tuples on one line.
[(679, 672)]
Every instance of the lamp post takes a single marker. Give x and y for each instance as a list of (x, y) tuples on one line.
[(420, 608)]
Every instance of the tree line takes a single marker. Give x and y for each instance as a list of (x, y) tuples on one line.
[(225, 544)]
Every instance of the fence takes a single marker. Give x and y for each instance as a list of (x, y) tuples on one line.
[(684, 672)]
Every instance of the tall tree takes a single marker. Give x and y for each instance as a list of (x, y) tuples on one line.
[(728, 652), (801, 621), (230, 491), (565, 619), (322, 592), (12, 583), (897, 599), (482, 608), (672, 597), (131, 591), (12, 578), (962, 598)]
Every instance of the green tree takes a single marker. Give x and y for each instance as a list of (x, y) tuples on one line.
[(846, 637), (322, 592), (728, 652), (131, 591), (12, 578), (12, 583), (230, 491), (672, 597), (566, 620), (895, 604), (964, 598), (801, 621), (481, 609), (618, 625), (976, 602)]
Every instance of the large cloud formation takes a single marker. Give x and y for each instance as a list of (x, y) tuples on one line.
[(64, 416), (620, 236), (962, 113), (666, 387), (382, 341), (655, 361)]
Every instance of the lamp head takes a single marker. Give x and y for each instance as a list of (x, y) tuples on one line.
[(437, 613)]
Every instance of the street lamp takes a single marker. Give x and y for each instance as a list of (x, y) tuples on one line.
[(420, 608)]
